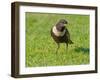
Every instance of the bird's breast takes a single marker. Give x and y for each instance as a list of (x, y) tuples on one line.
[(58, 33)]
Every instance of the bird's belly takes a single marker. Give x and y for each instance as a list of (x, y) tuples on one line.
[(60, 39)]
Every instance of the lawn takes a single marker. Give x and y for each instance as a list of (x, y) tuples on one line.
[(41, 48)]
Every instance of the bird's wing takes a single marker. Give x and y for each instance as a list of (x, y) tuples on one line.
[(68, 37), (67, 34)]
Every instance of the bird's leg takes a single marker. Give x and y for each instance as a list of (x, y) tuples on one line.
[(57, 48), (66, 46)]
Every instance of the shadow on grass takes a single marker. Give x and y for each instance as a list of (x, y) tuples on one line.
[(82, 49)]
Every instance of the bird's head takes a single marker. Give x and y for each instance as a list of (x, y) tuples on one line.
[(63, 21), (61, 25)]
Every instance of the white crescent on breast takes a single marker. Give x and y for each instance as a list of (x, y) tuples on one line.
[(58, 33)]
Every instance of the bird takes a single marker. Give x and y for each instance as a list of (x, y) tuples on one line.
[(60, 33)]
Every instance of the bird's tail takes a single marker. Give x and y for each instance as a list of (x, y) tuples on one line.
[(70, 42)]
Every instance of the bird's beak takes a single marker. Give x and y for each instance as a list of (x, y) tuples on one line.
[(66, 22)]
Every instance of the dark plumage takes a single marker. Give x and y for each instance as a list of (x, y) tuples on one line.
[(60, 33)]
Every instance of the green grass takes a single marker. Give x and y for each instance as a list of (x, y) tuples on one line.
[(41, 48)]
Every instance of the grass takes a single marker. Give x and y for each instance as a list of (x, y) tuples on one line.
[(41, 48)]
